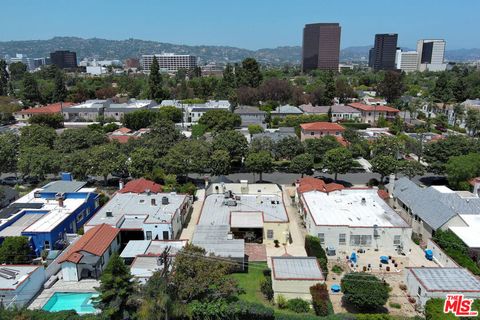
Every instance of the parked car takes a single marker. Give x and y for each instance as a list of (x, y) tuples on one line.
[(11, 181)]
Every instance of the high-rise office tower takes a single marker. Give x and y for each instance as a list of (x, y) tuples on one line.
[(431, 54), (64, 59), (382, 57), (321, 46)]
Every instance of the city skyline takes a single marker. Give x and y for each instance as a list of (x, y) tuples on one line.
[(246, 24)]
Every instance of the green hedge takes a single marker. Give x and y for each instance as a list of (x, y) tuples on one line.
[(314, 249), (456, 249), (355, 125), (222, 310)]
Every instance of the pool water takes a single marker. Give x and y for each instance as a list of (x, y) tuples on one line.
[(78, 301)]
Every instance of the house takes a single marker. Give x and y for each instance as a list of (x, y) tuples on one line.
[(45, 215), (251, 115), (371, 114), (88, 256), (315, 130), (285, 110), (372, 134), (144, 216), (432, 208), (87, 111), (292, 277), (144, 256), (123, 135), (469, 233), (54, 108), (276, 134), (118, 110), (348, 219), (471, 104), (374, 101), (141, 185), (19, 284), (427, 283), (254, 212), (340, 112), (193, 112)]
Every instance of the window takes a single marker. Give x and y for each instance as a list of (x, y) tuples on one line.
[(360, 240), (110, 250), (46, 245), (118, 239), (342, 239), (88, 212), (149, 235), (396, 240), (80, 217), (270, 234), (312, 133), (321, 237), (419, 291)]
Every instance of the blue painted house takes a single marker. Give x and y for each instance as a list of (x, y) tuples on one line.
[(47, 214)]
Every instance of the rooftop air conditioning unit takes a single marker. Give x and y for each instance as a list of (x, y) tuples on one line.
[(164, 200), (109, 214)]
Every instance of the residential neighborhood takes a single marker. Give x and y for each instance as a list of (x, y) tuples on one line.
[(165, 181)]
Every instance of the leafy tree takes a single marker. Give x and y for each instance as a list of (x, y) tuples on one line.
[(384, 165), (142, 162), (460, 169), (79, 139), (442, 91), (155, 82), (106, 159), (259, 162), (472, 122), (231, 141), (17, 70), (254, 129), (229, 76), (388, 146), (140, 119), (116, 290), (36, 135), (170, 113), (365, 298), (275, 90), (220, 162), (198, 130), (411, 168), (50, 120), (330, 89), (4, 76), (60, 91), (319, 147), (38, 161), (77, 163), (262, 144), (196, 276), (8, 152), (392, 86), (287, 148), (162, 136), (303, 163), (249, 73), (220, 120), (31, 91), (16, 250), (187, 156), (338, 160)]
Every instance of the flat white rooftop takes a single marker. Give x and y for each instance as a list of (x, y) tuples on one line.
[(216, 211), (351, 207), (14, 275), (470, 233)]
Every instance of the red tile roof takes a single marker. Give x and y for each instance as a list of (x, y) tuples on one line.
[(140, 186), (383, 194), (95, 241), (342, 141), (365, 107), (123, 130), (310, 184), (121, 139), (325, 126), (49, 108)]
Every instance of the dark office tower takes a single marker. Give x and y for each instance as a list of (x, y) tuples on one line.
[(384, 51), (64, 59), (321, 46)]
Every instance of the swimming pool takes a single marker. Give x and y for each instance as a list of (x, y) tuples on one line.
[(79, 301)]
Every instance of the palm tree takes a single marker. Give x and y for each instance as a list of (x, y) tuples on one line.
[(458, 113)]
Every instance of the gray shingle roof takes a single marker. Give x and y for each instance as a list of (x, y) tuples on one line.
[(432, 206)]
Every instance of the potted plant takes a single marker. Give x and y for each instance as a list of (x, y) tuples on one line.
[(277, 243)]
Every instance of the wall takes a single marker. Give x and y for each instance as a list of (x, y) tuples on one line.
[(292, 289), (440, 256), (281, 232), (26, 290), (69, 271)]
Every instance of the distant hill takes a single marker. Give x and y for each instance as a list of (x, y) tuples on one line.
[(122, 49)]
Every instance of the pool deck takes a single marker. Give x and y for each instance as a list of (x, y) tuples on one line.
[(86, 285)]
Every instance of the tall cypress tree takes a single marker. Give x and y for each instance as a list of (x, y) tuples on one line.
[(3, 78), (229, 76), (30, 89), (60, 91), (155, 82)]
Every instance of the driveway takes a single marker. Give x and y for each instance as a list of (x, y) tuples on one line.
[(187, 233)]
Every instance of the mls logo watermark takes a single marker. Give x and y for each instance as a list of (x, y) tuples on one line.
[(459, 306)]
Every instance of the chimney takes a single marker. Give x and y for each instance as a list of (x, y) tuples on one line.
[(66, 176), (121, 184), (391, 184), (60, 197), (153, 202), (476, 186)]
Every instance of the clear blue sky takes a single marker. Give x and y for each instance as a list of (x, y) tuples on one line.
[(250, 24)]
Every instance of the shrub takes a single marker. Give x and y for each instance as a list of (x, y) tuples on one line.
[(320, 299), (395, 305), (281, 302), (356, 125), (239, 310), (314, 249), (364, 297), (298, 305), (337, 269), (266, 288)]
